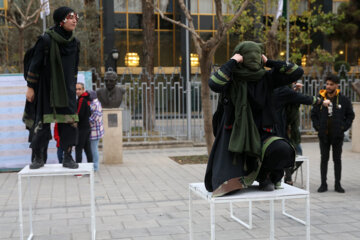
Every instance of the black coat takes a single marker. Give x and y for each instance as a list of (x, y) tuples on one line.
[(342, 117), (84, 112), (39, 79), (223, 164), (283, 96)]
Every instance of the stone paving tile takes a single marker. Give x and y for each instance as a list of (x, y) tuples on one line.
[(166, 230), (129, 233), (154, 238)]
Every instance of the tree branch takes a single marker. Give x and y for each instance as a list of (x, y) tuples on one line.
[(200, 43), (19, 10), (28, 7), (35, 21), (219, 16), (190, 29), (11, 20), (37, 12), (228, 25)]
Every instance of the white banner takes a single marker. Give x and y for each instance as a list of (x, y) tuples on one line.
[(45, 8), (280, 9)]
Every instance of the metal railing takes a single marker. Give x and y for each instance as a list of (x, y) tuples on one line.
[(167, 110)]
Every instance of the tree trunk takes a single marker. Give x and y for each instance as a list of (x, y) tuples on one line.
[(272, 48), (92, 45), (272, 44), (21, 49), (205, 66), (148, 25)]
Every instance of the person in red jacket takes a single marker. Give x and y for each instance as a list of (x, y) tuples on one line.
[(83, 111), (60, 152)]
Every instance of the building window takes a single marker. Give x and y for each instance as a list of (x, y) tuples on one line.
[(166, 49), (205, 6), (134, 6), (121, 46), (194, 6), (120, 20), (166, 6), (120, 6), (336, 5), (135, 21)]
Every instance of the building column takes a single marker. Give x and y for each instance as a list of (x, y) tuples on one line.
[(109, 19)]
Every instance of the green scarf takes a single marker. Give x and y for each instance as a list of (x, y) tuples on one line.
[(58, 92), (245, 137)]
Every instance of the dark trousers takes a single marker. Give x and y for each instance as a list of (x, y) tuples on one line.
[(60, 154), (336, 144), (83, 143), (69, 135), (278, 156), (40, 136), (291, 170)]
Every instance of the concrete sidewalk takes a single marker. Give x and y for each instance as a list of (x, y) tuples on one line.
[(146, 198)]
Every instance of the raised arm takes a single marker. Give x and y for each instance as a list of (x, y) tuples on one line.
[(284, 73), (293, 97), (315, 117), (222, 76)]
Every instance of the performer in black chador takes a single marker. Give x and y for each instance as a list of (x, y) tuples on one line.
[(246, 147), (51, 80)]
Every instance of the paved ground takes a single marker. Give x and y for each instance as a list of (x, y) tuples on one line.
[(146, 198)]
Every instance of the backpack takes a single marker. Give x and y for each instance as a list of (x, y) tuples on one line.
[(30, 53)]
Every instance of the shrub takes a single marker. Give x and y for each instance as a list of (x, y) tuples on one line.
[(338, 65)]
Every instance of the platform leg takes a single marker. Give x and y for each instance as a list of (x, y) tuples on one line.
[(20, 209), (250, 214), (30, 209), (212, 220), (190, 216), (308, 218), (272, 231), (92, 197)]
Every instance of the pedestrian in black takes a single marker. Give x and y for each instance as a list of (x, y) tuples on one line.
[(331, 121), (51, 81), (286, 98), (84, 114)]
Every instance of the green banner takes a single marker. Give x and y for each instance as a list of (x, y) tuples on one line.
[(284, 11)]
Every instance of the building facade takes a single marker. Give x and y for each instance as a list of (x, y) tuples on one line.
[(121, 29)]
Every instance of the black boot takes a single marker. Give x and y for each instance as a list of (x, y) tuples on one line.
[(323, 188), (288, 177), (68, 160), (267, 184), (37, 161), (338, 188), (337, 170)]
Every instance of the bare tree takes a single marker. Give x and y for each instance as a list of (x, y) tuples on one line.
[(271, 45), (22, 20), (148, 25), (206, 51)]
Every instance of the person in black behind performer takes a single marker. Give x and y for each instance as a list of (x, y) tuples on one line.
[(287, 101)]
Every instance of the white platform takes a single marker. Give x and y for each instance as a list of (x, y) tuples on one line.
[(254, 194), (54, 170)]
